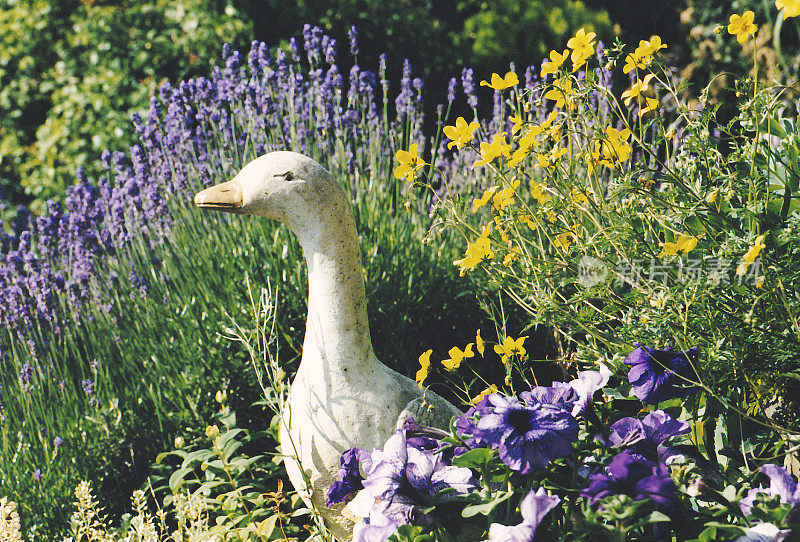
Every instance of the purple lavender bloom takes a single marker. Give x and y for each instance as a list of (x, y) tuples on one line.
[(57, 442), (88, 386), (782, 485), (349, 479), (468, 84), (527, 437), (25, 377), (534, 507), (636, 476), (660, 375), (37, 475), (451, 90), (353, 35)]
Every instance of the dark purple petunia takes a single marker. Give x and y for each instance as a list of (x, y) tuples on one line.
[(349, 479), (660, 375), (527, 436), (634, 475)]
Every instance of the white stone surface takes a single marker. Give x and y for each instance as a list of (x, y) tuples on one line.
[(342, 396)]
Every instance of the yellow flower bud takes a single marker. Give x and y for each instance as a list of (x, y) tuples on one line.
[(221, 396), (212, 431), (179, 442)]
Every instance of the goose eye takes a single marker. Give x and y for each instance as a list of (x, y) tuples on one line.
[(288, 176)]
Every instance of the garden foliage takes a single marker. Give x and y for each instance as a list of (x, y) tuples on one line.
[(658, 240)]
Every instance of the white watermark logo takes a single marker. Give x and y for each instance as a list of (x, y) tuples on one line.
[(591, 271)]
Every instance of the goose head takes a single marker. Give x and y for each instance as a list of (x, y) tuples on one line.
[(284, 186)]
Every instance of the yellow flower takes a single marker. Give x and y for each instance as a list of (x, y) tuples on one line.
[(562, 93), (179, 442), (527, 218), (461, 133), (636, 89), (221, 396), (484, 199), (711, 197), (212, 431), (457, 356), (489, 151), (742, 26), (683, 245), (582, 45), (478, 398), (516, 123), (410, 163), (653, 46), (504, 198), (614, 148), (564, 240), (510, 80), (791, 7), (477, 252), (510, 258), (539, 192), (750, 256), (509, 347), (555, 62), (425, 365), (479, 344), (579, 198), (644, 54)]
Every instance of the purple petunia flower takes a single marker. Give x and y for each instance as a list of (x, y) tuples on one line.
[(401, 479), (634, 475), (660, 375), (647, 437), (527, 436), (573, 396), (782, 485), (349, 479), (534, 507)]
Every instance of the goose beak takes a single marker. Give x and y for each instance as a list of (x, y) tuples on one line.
[(222, 197)]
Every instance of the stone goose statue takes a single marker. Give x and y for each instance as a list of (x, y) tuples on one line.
[(342, 395)]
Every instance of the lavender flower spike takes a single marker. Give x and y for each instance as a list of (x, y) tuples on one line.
[(534, 507)]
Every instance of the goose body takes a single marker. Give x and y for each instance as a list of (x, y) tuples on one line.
[(342, 395)]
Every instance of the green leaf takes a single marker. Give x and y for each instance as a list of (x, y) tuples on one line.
[(486, 508), (474, 459), (177, 477)]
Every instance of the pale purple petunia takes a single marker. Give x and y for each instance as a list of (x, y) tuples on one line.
[(534, 507), (781, 485), (660, 375), (401, 479), (647, 437)]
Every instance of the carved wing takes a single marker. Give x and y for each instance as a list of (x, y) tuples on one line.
[(429, 411)]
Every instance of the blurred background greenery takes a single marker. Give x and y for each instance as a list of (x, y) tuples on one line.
[(72, 71)]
